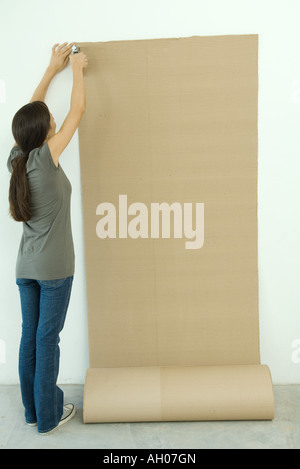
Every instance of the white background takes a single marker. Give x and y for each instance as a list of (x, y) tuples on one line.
[(28, 29)]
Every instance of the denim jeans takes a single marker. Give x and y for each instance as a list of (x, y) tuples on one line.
[(44, 305)]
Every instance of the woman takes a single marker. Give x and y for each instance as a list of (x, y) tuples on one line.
[(39, 196)]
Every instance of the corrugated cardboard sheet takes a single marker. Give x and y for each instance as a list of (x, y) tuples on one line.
[(168, 149)]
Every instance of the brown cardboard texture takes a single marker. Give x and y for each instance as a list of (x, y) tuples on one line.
[(168, 151)]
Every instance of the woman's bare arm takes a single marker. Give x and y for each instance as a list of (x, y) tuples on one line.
[(59, 59), (60, 140)]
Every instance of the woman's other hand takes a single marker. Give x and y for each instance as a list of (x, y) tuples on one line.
[(79, 60), (60, 56)]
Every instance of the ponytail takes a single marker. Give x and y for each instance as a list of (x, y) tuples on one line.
[(30, 127), (19, 193)]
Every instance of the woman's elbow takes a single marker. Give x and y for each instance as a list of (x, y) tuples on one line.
[(78, 110), (82, 108)]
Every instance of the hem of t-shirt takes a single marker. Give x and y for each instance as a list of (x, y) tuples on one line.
[(51, 162), (52, 277)]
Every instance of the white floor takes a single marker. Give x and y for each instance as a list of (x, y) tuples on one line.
[(281, 433)]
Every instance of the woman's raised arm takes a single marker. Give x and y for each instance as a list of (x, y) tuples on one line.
[(60, 140), (59, 59)]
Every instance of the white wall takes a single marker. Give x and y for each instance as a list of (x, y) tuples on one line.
[(29, 28)]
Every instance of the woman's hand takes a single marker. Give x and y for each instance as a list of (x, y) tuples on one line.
[(78, 60), (60, 56), (59, 59)]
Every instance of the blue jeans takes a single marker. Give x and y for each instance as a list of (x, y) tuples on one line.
[(44, 305)]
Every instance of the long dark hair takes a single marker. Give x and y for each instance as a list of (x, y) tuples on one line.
[(30, 127)]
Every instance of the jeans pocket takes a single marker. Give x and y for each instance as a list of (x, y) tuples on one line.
[(25, 282), (52, 283)]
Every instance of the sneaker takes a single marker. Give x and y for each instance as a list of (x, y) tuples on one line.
[(32, 424), (68, 414)]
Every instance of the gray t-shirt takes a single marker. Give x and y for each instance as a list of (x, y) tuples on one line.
[(46, 249)]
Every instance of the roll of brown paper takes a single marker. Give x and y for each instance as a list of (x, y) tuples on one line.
[(168, 152), (178, 393)]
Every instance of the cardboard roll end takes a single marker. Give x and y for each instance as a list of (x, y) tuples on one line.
[(136, 394)]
